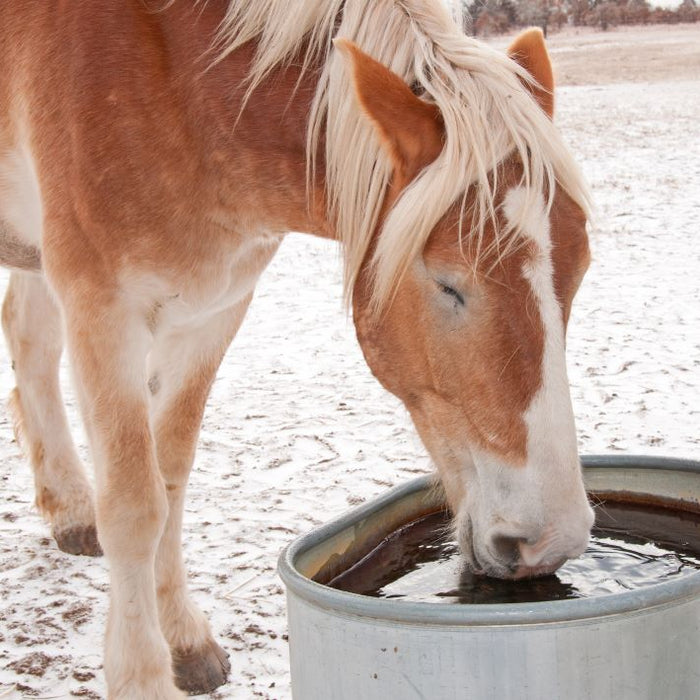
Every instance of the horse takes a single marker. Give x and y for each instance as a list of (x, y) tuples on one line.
[(152, 159)]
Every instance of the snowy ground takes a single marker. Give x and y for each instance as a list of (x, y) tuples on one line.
[(297, 430)]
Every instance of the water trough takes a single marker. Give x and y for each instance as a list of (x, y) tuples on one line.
[(634, 645)]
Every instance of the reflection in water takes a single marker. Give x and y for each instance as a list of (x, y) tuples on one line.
[(479, 589), (632, 546)]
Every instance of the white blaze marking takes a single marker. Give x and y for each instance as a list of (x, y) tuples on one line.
[(552, 456), (551, 406)]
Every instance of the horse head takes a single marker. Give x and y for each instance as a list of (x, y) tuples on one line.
[(472, 336)]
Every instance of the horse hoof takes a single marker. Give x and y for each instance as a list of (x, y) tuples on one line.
[(201, 671), (79, 540)]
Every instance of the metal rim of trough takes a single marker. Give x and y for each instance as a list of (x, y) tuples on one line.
[(583, 609)]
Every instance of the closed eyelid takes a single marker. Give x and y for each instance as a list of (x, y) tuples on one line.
[(451, 291)]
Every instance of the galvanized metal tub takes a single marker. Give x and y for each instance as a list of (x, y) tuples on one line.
[(637, 645)]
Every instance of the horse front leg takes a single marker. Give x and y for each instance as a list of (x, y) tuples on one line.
[(32, 325), (109, 340), (182, 368)]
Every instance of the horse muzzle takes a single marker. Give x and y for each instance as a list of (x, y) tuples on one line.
[(518, 552)]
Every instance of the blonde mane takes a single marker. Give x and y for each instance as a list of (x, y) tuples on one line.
[(486, 110)]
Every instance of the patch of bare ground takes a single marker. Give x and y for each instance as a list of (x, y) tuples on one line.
[(634, 54), (35, 664)]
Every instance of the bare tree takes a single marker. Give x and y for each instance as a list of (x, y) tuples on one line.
[(535, 13)]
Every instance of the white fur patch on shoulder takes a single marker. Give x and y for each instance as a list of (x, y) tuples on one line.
[(20, 201)]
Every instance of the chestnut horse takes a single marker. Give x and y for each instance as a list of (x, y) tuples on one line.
[(151, 159)]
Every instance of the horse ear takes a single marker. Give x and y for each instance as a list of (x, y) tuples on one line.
[(410, 130), (530, 52)]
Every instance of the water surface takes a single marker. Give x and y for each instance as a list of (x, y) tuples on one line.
[(632, 546)]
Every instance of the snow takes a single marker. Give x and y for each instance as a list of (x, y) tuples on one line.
[(297, 429)]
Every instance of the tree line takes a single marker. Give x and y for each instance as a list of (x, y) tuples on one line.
[(498, 16)]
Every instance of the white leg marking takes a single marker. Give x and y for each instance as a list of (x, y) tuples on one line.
[(32, 325), (109, 340)]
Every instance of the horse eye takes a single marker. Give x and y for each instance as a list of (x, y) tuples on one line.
[(451, 292)]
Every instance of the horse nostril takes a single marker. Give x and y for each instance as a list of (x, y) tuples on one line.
[(507, 548)]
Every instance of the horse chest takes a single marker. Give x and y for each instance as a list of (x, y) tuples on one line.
[(224, 279)]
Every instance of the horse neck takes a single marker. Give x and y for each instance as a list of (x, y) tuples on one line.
[(257, 145)]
